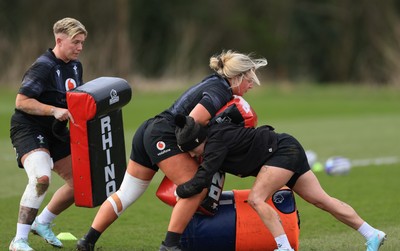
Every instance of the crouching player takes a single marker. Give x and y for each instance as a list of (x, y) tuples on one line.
[(276, 159)]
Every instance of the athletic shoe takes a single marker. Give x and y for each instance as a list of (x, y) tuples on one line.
[(44, 230), (84, 245), (374, 243), (165, 248), (20, 245), (284, 249)]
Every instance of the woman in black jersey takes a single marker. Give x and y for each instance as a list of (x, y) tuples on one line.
[(39, 133), (275, 159), (154, 144)]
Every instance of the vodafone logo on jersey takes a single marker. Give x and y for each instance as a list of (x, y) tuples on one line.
[(70, 84), (161, 147)]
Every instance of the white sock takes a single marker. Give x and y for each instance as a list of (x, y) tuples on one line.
[(282, 242), (46, 217), (366, 230), (22, 231)]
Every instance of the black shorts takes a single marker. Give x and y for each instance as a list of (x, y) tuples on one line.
[(290, 155), (153, 142), (27, 137)]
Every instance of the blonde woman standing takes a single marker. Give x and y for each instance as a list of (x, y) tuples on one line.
[(39, 134)]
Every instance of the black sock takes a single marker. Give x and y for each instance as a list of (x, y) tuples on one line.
[(92, 236), (172, 239)]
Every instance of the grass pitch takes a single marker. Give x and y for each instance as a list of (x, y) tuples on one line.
[(354, 122)]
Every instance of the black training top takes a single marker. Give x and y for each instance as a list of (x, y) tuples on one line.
[(48, 80), (213, 92), (155, 139), (237, 150), (234, 149)]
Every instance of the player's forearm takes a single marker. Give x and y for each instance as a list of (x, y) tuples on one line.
[(194, 186), (34, 107)]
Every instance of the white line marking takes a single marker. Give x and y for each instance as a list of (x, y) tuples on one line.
[(375, 161)]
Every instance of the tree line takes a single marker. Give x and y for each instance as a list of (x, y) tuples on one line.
[(320, 41)]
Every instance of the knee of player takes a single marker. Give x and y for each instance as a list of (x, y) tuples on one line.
[(254, 201), (42, 184), (130, 190), (43, 179), (70, 183)]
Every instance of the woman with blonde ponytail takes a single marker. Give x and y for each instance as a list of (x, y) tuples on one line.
[(154, 146)]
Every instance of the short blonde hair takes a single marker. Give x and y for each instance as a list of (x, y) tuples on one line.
[(231, 64), (70, 27)]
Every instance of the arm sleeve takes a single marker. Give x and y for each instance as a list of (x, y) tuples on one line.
[(195, 185), (214, 100), (213, 158), (34, 79)]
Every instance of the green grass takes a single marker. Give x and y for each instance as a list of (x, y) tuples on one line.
[(355, 122)]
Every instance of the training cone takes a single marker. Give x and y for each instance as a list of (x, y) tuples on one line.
[(66, 237)]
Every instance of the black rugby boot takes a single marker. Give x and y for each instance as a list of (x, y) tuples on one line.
[(84, 245)]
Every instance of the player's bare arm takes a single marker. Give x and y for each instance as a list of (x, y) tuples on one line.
[(34, 107)]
